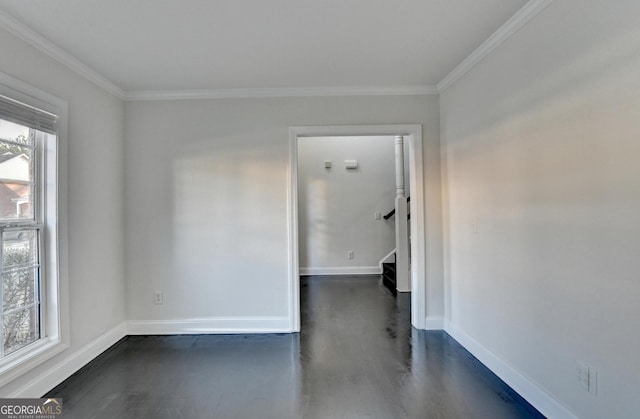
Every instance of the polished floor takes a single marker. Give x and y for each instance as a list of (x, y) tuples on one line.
[(356, 357)]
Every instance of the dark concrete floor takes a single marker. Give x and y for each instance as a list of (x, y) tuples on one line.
[(356, 357)]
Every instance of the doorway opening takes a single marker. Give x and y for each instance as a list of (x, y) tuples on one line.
[(412, 135)]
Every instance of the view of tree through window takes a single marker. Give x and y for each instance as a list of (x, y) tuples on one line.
[(19, 238)]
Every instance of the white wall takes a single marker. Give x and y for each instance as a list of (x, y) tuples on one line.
[(206, 202), (336, 206), (96, 209), (541, 142)]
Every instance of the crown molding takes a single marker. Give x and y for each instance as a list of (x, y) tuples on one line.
[(31, 37), (517, 21), (277, 92), (23, 32)]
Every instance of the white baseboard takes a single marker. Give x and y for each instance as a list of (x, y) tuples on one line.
[(434, 323), (540, 399), (343, 270), (63, 370), (212, 325)]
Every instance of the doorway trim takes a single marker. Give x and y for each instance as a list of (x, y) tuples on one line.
[(413, 135)]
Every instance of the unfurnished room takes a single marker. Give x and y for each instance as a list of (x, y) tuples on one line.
[(320, 209)]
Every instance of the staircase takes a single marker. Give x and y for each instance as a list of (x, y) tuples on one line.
[(389, 275), (388, 264)]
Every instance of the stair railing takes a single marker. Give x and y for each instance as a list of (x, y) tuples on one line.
[(393, 211)]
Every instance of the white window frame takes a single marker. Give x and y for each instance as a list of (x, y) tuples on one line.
[(54, 263)]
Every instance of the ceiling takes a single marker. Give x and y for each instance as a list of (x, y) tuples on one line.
[(166, 45)]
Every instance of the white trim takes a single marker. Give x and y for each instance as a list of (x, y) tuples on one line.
[(385, 259), (280, 92), (39, 352), (32, 96), (209, 325), (418, 230), (46, 381), (342, 270), (434, 323), (412, 133), (539, 398), (517, 21), (31, 37), (292, 233)]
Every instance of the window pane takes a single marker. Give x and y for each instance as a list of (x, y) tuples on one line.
[(20, 329), (10, 151), (14, 132), (15, 201), (16, 180), (18, 288), (19, 248)]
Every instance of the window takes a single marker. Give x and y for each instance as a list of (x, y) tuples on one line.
[(20, 231), (33, 312)]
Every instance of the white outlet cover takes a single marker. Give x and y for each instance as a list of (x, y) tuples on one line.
[(583, 376), (158, 297)]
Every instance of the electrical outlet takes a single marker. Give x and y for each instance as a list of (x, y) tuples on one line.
[(587, 378), (350, 254), (377, 215), (583, 376), (158, 297)]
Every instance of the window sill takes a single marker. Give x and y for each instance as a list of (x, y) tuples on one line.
[(19, 363)]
